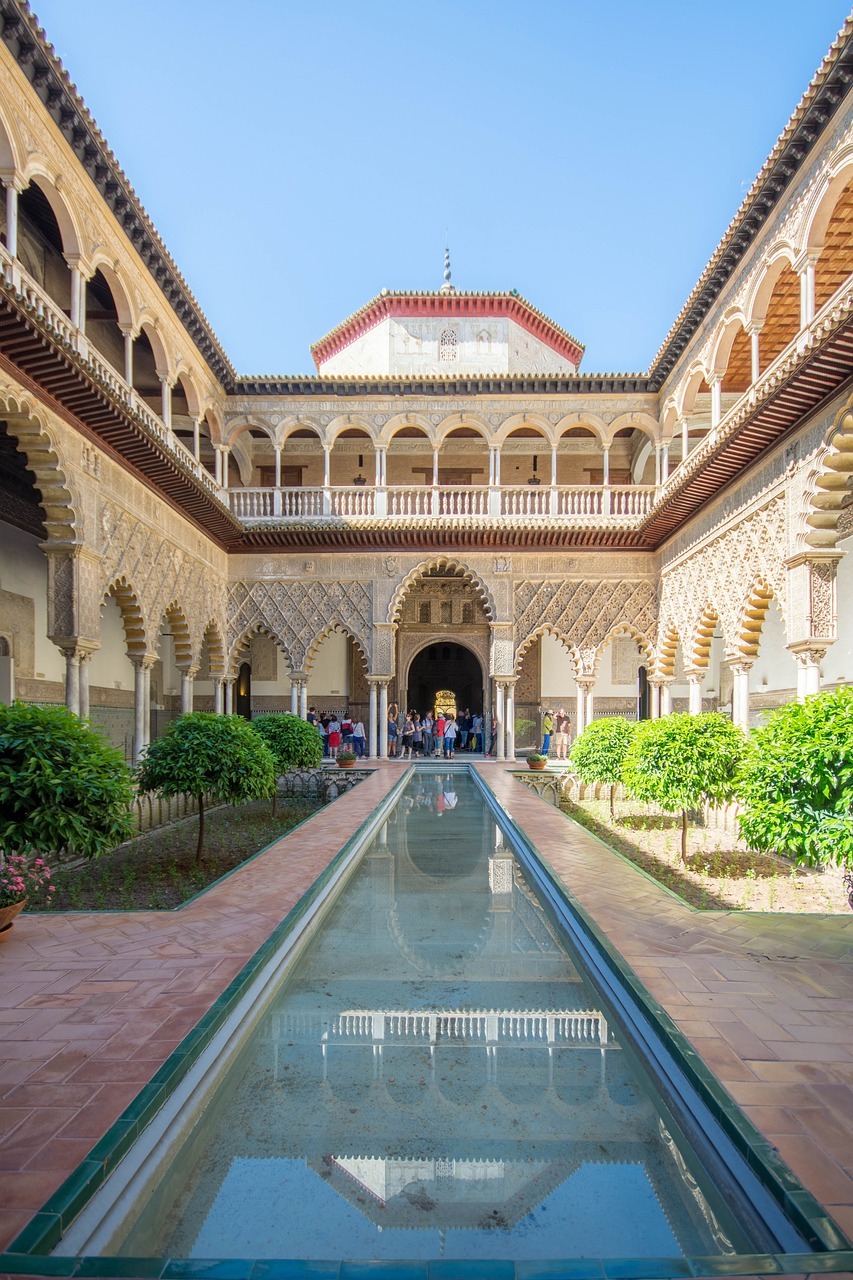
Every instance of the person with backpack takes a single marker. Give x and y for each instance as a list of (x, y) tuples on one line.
[(547, 730)]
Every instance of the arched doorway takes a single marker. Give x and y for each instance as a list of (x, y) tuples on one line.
[(243, 691), (449, 669)]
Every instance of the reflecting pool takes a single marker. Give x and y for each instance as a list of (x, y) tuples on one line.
[(435, 1077)]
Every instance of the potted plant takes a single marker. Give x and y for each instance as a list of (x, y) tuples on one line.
[(19, 878), (537, 761), (346, 759)]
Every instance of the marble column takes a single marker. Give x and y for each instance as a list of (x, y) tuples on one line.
[(85, 658), (694, 693), (383, 719), (499, 717), (372, 725), (510, 720), (187, 676), (218, 695)]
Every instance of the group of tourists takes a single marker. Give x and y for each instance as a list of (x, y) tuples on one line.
[(338, 733), (433, 735), (558, 726)]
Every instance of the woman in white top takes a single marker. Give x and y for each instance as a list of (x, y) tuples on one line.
[(358, 738), (450, 730)]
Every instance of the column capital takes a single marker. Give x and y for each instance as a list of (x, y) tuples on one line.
[(808, 652), (143, 661)]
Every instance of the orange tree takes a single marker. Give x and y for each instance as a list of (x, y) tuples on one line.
[(681, 761)]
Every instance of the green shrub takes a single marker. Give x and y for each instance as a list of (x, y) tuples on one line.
[(796, 783), (295, 743), (598, 753), (62, 786), (680, 761), (203, 754)]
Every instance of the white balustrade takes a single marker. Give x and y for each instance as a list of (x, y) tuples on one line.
[(353, 500), (568, 1027)]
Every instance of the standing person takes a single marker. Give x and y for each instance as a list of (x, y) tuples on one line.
[(561, 733), (407, 737), (346, 731), (334, 728), (391, 730), (477, 733), (449, 738), (426, 729), (323, 730), (462, 723), (312, 716), (418, 735), (493, 744), (547, 730), (439, 726), (358, 739)]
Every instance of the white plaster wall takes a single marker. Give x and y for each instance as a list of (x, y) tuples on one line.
[(774, 668), (837, 666), (279, 686), (408, 346), (23, 571), (329, 674), (555, 671), (109, 666)]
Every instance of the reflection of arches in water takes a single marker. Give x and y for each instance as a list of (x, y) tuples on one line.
[(449, 668)]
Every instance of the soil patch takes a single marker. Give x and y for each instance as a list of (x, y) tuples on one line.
[(157, 871), (721, 873)]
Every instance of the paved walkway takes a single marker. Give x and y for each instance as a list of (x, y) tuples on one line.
[(92, 1004)]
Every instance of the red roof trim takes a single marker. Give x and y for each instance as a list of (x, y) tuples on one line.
[(450, 305)]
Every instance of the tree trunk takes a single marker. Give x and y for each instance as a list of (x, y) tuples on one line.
[(198, 847), (612, 793), (684, 837)]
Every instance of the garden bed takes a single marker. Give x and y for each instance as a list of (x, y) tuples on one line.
[(721, 874), (158, 871)]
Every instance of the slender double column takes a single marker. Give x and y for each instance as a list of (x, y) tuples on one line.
[(142, 702)]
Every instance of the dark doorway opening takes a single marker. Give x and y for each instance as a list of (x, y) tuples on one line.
[(442, 667), (244, 691)]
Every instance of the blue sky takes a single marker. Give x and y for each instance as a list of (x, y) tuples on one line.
[(298, 158)]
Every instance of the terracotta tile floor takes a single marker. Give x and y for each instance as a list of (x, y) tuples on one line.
[(91, 1005)]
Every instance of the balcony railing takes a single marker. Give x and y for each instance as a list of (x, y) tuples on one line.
[(580, 504), (51, 316)]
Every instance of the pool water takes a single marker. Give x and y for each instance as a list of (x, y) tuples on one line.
[(436, 1077)]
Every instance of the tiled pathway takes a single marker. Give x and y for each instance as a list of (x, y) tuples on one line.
[(91, 1005)]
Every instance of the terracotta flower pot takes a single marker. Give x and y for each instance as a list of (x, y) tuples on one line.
[(8, 914), (346, 764), (536, 764)]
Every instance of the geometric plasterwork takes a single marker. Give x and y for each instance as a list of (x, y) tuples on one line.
[(297, 614), (729, 576), (585, 613), (158, 573)]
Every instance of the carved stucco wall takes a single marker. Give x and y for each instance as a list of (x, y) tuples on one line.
[(585, 612)]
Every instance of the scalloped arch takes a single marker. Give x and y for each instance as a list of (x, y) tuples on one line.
[(177, 619), (441, 562), (829, 484), (256, 628), (59, 501), (546, 630), (335, 624), (133, 620)]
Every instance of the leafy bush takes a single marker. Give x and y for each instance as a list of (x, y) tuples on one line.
[(203, 754), (796, 783), (62, 786), (295, 743), (680, 761), (599, 751)]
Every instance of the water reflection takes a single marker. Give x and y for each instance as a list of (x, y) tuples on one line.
[(436, 1077)]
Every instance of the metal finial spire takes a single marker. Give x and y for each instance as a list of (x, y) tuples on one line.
[(447, 287)]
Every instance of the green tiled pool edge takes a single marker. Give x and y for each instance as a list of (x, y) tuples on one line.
[(29, 1252)]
